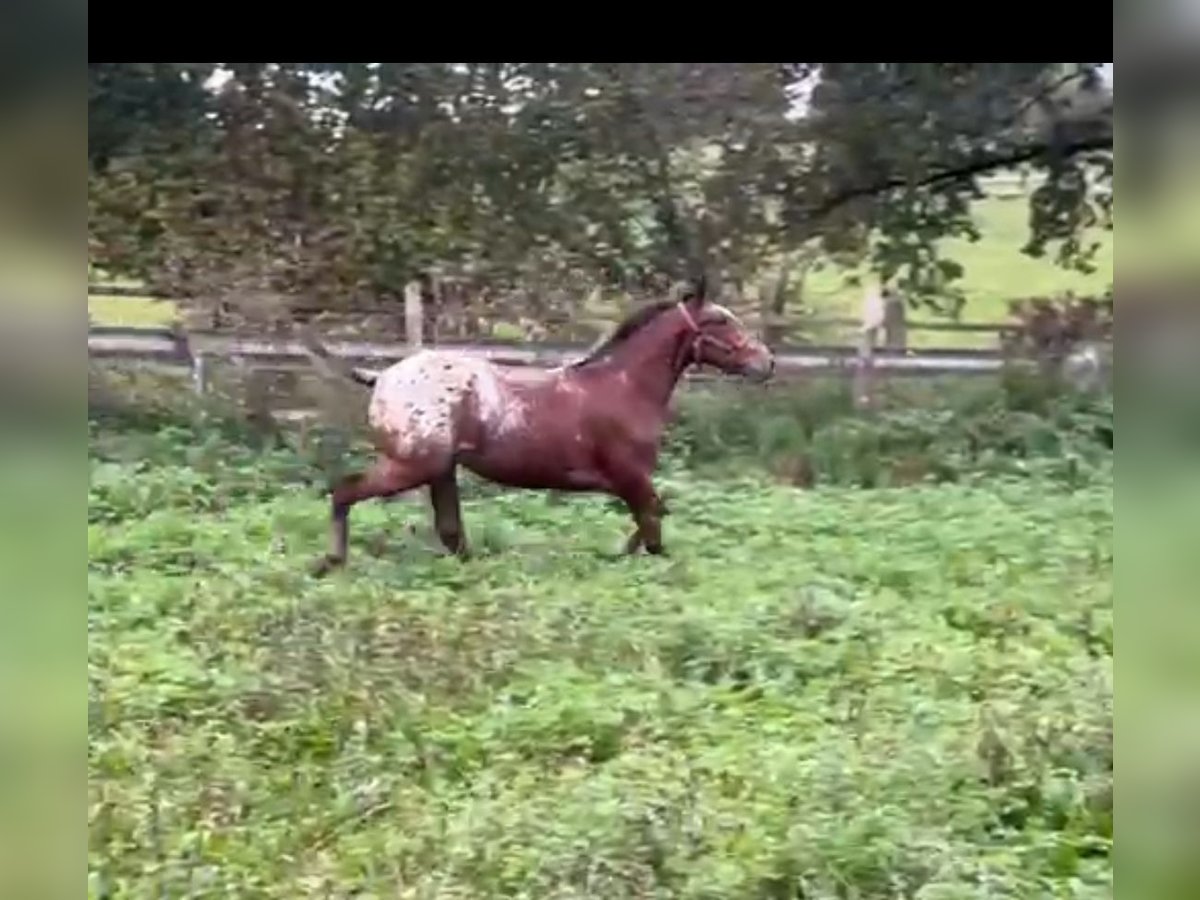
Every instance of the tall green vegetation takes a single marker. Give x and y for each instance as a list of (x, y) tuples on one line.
[(828, 693)]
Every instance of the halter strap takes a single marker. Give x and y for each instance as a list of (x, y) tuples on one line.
[(690, 353), (687, 317)]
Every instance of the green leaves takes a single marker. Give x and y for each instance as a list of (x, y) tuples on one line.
[(901, 146), (835, 692), (331, 185)]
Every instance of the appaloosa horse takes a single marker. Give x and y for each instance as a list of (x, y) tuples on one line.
[(592, 425)]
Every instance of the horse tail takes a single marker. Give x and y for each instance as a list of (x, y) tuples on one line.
[(363, 377), (330, 365)]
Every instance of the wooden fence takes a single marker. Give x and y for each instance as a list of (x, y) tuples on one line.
[(194, 351), (892, 331), (881, 349)]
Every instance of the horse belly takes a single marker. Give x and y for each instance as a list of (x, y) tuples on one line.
[(521, 461)]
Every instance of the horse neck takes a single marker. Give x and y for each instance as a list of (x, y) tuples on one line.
[(649, 365)]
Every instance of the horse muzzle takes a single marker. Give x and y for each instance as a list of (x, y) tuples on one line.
[(760, 369)]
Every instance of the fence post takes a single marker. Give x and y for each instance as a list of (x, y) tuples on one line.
[(200, 374), (414, 316), (864, 369), (873, 321), (895, 322)]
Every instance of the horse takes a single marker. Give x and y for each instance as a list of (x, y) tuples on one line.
[(592, 425)]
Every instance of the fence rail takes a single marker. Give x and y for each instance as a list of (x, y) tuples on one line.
[(880, 348), (815, 323), (193, 350)]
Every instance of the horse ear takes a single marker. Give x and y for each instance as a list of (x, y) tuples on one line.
[(697, 292)]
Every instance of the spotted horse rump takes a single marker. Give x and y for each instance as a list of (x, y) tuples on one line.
[(593, 425), (440, 403)]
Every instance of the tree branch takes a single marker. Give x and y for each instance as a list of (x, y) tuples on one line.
[(976, 165), (680, 232)]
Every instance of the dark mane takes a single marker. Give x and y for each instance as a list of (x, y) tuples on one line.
[(629, 326)]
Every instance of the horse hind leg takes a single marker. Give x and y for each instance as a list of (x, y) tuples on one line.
[(386, 478), (447, 513)]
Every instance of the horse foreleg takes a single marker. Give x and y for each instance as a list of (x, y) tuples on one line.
[(634, 543), (386, 478), (647, 510), (447, 513)]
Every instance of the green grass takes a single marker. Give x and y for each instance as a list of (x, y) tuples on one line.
[(995, 269), (833, 693), (132, 311)]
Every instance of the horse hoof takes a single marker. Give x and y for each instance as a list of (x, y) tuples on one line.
[(325, 565)]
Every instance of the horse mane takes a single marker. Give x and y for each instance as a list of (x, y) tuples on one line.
[(628, 327)]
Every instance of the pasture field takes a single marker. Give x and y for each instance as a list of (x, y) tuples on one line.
[(902, 692)]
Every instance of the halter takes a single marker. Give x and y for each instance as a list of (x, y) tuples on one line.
[(690, 354), (687, 317)]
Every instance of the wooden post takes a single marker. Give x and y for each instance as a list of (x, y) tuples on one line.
[(864, 369), (895, 324), (872, 324), (414, 316), (200, 374)]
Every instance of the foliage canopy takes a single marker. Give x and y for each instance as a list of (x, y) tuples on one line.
[(340, 182)]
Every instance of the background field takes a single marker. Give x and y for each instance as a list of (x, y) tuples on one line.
[(996, 271), (1160, 239), (837, 692)]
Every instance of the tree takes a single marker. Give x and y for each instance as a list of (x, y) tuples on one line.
[(335, 184), (899, 149)]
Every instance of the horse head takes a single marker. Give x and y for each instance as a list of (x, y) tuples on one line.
[(719, 339)]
